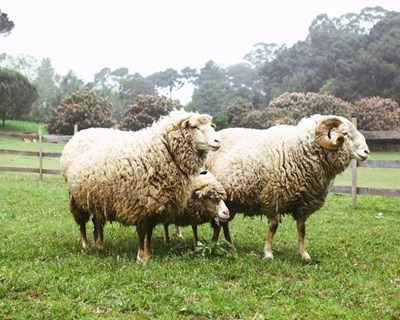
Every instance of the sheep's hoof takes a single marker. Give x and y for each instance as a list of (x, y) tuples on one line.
[(305, 258), (268, 256), (142, 257), (179, 236)]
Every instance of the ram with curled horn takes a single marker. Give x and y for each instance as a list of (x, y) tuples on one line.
[(284, 170), (323, 133)]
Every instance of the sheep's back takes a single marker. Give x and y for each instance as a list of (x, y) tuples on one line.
[(269, 171), (127, 180)]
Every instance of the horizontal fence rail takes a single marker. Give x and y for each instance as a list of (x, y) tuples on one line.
[(39, 154), (354, 190), (31, 153)]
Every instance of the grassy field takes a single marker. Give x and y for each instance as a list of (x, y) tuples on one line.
[(44, 274), (374, 177), (23, 126)]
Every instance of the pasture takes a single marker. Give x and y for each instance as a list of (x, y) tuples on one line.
[(44, 273)]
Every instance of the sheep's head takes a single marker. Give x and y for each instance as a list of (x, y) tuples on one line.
[(209, 195), (333, 133), (203, 131)]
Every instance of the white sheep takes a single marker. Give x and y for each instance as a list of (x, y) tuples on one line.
[(139, 178), (284, 170), (205, 205)]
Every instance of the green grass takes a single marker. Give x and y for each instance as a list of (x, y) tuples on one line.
[(28, 161), (44, 274), (374, 177), (23, 126)]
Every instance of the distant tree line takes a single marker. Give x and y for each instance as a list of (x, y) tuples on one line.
[(347, 65)]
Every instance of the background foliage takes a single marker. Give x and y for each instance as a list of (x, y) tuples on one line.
[(352, 57), (84, 108), (145, 110)]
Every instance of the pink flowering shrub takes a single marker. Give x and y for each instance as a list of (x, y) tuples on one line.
[(84, 108), (377, 113)]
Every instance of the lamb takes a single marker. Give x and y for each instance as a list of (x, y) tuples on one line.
[(205, 205), (284, 170), (139, 178)]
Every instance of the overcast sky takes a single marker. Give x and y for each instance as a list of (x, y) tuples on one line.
[(147, 36)]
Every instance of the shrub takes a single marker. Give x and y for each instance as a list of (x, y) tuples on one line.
[(145, 110), (300, 105), (377, 113), (237, 111), (84, 108), (266, 118)]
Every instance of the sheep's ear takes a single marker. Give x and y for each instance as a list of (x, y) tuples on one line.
[(185, 124)]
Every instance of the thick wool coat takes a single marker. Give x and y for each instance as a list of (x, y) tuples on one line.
[(136, 176)]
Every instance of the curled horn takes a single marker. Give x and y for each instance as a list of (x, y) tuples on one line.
[(322, 130)]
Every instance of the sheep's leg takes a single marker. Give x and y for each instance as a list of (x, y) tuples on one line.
[(227, 235), (81, 217), (166, 235), (147, 244), (141, 231), (216, 230), (84, 241), (98, 233), (273, 226), (301, 230), (178, 232), (144, 231), (195, 237)]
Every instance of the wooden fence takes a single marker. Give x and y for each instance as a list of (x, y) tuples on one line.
[(353, 189), (40, 154)]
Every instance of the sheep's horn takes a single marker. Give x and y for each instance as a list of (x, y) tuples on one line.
[(322, 130)]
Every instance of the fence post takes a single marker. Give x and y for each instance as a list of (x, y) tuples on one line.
[(40, 155), (354, 176), (75, 128)]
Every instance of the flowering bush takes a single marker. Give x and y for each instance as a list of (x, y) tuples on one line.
[(145, 110), (84, 108), (377, 113), (300, 105)]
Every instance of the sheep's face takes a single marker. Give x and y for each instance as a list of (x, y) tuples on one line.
[(203, 132), (209, 195), (354, 141), (212, 207)]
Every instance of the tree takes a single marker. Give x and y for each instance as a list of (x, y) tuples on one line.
[(16, 95), (6, 25), (168, 79), (135, 85), (210, 97), (262, 53), (211, 72), (69, 84), (47, 91), (189, 75), (84, 108), (145, 110)]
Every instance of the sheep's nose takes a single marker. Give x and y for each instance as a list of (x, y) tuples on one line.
[(366, 151)]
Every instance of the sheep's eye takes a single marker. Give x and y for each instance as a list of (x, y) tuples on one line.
[(194, 127), (345, 134), (213, 125)]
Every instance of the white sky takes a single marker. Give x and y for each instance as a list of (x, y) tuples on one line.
[(147, 36)]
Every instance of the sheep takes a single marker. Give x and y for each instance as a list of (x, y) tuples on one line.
[(205, 205), (284, 170), (139, 178)]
